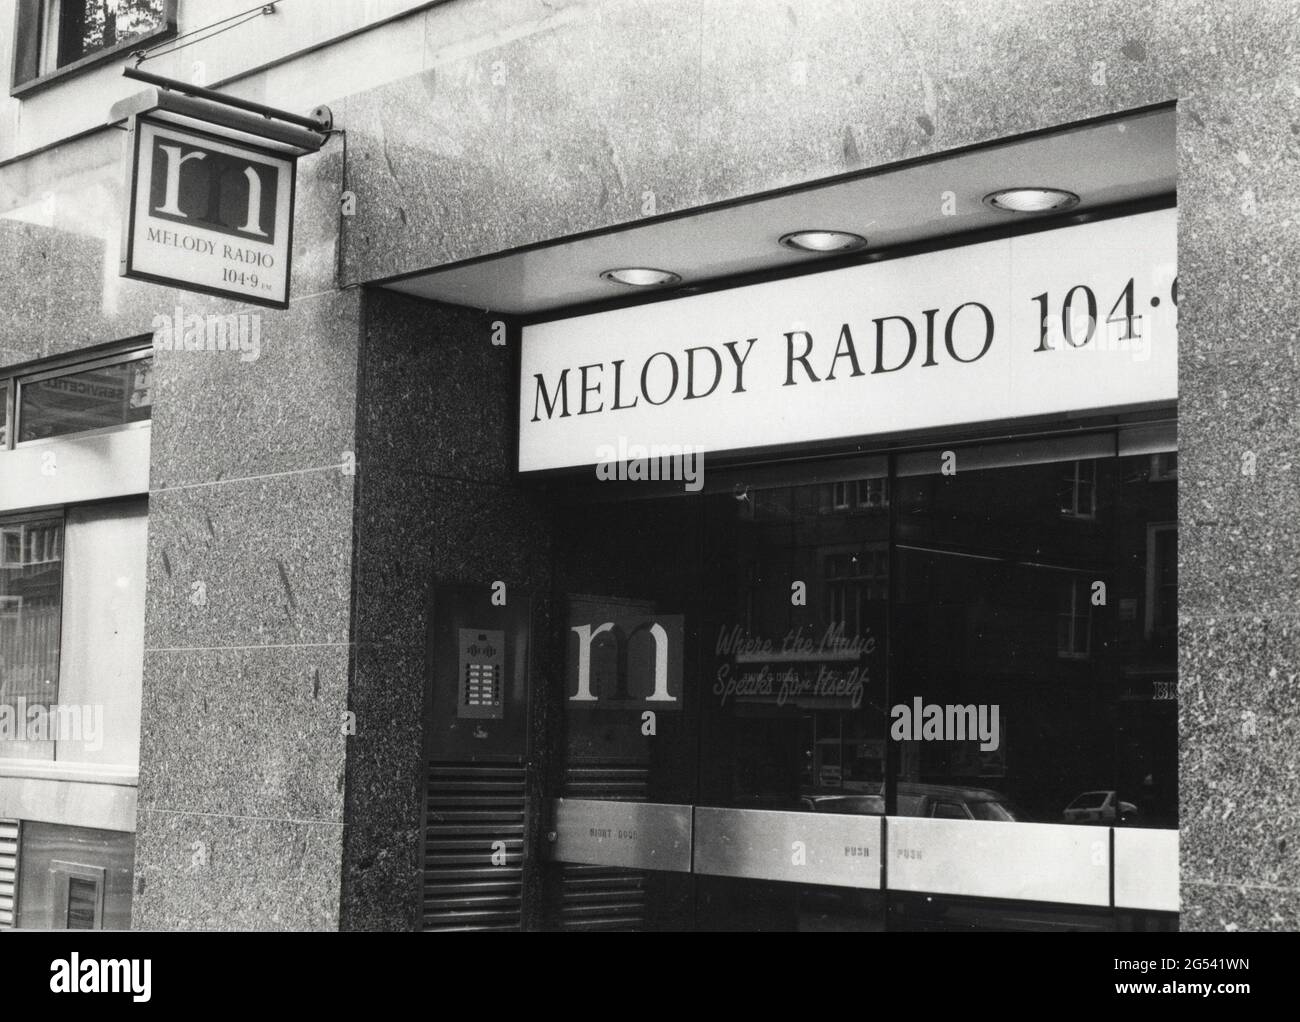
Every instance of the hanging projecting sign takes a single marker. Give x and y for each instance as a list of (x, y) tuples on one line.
[(208, 214), (1081, 318)]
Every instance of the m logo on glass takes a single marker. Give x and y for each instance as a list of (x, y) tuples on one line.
[(625, 663)]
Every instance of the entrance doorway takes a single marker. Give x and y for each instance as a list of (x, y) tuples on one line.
[(925, 690)]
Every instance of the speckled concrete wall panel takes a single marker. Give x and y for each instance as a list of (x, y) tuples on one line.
[(272, 557), (439, 398), (248, 608), (234, 873), (1233, 907), (246, 732), (529, 119), (382, 885), (1239, 486), (1238, 714), (584, 116), (1239, 217), (485, 532), (394, 552), (243, 699), (287, 404), (60, 245), (1239, 536)]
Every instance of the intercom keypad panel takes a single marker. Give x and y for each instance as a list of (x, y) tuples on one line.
[(482, 674)]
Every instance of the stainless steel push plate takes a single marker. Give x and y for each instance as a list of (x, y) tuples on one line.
[(811, 848), (631, 835)]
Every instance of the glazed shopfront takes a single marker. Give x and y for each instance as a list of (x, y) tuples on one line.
[(862, 609)]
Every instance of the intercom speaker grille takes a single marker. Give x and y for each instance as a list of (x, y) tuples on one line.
[(470, 808)]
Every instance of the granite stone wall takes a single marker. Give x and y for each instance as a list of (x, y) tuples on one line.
[(435, 498), (247, 633)]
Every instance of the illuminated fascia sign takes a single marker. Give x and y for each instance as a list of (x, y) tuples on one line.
[(1080, 318), (209, 214)]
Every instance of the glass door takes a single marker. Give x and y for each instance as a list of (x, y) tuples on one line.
[(630, 596), (793, 740)]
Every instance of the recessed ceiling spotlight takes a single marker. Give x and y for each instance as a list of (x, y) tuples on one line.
[(640, 276), (1031, 200), (823, 241)]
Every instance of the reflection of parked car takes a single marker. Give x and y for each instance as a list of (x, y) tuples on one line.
[(858, 805), (1098, 807), (940, 801)]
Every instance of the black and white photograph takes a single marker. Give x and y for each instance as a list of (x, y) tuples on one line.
[(648, 466)]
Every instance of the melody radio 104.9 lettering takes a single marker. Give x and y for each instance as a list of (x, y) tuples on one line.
[(1083, 316), (894, 342)]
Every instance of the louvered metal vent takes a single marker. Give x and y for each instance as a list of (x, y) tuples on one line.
[(8, 873), (471, 806), (596, 897)]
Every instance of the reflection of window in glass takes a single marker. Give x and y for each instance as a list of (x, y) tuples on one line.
[(948, 811), (1079, 490), (853, 580), (31, 578), (1162, 578), (873, 493), (1074, 620), (860, 493), (72, 629), (109, 395), (1164, 467)]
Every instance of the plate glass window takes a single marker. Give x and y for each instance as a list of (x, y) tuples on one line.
[(110, 395), (72, 633), (31, 580), (997, 645)]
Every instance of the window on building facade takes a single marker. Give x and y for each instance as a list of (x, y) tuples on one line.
[(109, 392), (100, 397), (72, 633), (72, 584), (54, 35), (31, 583)]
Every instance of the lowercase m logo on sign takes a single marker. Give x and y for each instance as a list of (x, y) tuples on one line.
[(209, 215), (198, 185), (625, 663)]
